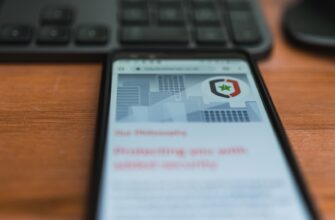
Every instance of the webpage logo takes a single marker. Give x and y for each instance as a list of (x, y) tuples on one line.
[(225, 87)]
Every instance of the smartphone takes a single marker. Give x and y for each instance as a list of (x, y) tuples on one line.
[(189, 135)]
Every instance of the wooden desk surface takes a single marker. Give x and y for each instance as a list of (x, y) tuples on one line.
[(48, 114)]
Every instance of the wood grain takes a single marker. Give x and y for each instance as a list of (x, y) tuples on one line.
[(47, 122), (48, 115), (301, 84)]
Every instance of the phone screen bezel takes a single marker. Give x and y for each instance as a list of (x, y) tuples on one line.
[(103, 115)]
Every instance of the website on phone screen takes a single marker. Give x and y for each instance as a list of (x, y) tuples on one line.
[(191, 139)]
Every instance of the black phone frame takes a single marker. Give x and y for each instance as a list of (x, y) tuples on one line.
[(103, 116)]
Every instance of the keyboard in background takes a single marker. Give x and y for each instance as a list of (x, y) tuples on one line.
[(97, 27)]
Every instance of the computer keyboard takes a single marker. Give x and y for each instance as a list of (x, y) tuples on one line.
[(39, 28), (175, 21)]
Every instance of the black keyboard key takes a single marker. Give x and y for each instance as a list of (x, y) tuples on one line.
[(210, 35), (57, 16), (221, 5), (171, 15), (138, 3), (206, 16), (238, 5), (135, 15), (16, 34), (90, 34), (154, 35), (202, 3), (244, 28), (53, 35), (167, 3)]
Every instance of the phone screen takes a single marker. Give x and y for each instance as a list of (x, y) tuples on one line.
[(191, 139)]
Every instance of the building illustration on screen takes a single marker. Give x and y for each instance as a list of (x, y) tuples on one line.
[(207, 98)]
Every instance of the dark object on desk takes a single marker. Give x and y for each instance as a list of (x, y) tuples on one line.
[(97, 27), (311, 23)]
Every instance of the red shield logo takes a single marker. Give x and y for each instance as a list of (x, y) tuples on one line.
[(226, 88)]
